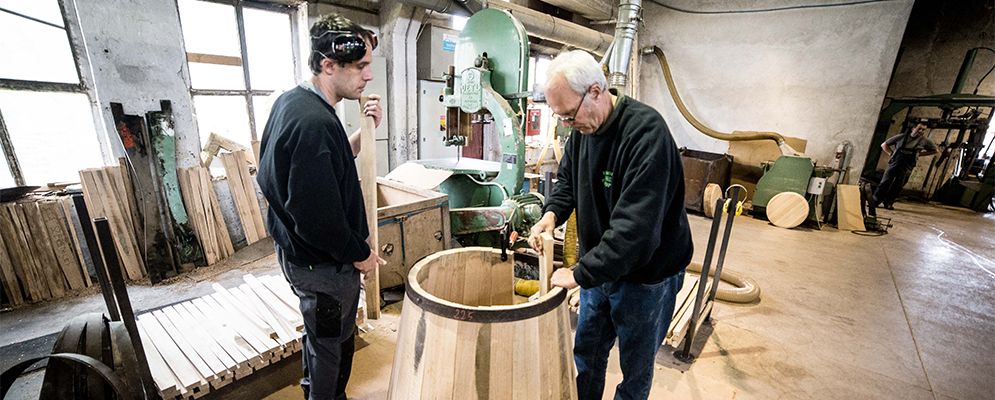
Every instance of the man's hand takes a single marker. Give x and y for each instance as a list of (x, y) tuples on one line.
[(369, 263), (564, 278), (545, 224), (372, 109)]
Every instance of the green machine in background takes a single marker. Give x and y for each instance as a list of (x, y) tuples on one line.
[(488, 84), (789, 173)]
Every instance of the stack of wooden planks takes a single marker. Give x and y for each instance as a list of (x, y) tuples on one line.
[(109, 194), (206, 343), (683, 309), (40, 257), (205, 213), (243, 192)]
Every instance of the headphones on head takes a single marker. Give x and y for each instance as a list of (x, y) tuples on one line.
[(347, 46)]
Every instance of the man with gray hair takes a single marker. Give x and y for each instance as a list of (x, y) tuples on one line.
[(622, 174)]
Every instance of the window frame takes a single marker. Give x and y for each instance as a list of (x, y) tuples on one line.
[(9, 152), (249, 93)]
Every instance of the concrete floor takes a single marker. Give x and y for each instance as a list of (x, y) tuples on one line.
[(907, 315)]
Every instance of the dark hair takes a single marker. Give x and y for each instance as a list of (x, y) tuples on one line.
[(323, 34)]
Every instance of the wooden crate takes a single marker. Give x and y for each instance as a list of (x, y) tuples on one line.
[(413, 223)]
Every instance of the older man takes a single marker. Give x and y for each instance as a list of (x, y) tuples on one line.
[(622, 173)]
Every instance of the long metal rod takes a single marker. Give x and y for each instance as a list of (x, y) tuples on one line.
[(120, 290), (685, 353), (28, 17), (717, 279), (40, 86), (240, 20), (8, 152), (98, 262)]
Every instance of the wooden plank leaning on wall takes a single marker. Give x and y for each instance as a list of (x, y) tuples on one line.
[(243, 192), (205, 213)]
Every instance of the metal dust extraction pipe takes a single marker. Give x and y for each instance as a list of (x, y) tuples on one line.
[(734, 135), (537, 24), (558, 30), (625, 36)]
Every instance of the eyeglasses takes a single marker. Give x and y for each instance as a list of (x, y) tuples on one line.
[(573, 115)]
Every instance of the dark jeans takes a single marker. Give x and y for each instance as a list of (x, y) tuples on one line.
[(639, 316), (896, 175), (329, 296)]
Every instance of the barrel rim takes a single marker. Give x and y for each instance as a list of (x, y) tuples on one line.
[(481, 314)]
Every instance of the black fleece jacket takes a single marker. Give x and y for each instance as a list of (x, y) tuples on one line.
[(308, 174), (627, 185)]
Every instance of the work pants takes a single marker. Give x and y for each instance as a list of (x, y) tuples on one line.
[(329, 295), (638, 315), (896, 175)]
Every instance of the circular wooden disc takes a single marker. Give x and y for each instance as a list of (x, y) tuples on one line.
[(787, 209), (712, 192)]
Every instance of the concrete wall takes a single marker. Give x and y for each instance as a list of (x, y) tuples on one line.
[(137, 58), (815, 73), (937, 36)]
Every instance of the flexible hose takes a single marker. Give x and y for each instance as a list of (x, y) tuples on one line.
[(745, 291), (735, 135)]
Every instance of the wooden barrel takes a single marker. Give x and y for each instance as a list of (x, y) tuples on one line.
[(462, 336)]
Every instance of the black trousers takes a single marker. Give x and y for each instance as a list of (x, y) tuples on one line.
[(329, 295), (896, 175)]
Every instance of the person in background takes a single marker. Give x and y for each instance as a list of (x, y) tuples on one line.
[(903, 150)]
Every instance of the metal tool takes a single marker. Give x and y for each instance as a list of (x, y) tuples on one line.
[(702, 307)]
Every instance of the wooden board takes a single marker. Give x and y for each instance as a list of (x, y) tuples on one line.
[(76, 232), (21, 238), (204, 213), (546, 263), (163, 377), (244, 195), (105, 198), (158, 338), (58, 234), (19, 254), (787, 209), (11, 285), (850, 217), (368, 183), (40, 245)]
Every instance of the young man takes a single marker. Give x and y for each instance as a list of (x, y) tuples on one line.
[(903, 151), (622, 173), (316, 217)]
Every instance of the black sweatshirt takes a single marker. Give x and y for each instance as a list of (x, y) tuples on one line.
[(627, 185), (308, 174)]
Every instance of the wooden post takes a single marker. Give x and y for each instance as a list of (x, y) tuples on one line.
[(368, 180), (546, 263)]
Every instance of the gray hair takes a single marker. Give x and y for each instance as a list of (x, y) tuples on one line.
[(579, 69)]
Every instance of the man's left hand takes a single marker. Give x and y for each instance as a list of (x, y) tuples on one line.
[(564, 278), (372, 109)]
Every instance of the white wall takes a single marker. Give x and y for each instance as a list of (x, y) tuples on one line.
[(135, 49), (815, 73)]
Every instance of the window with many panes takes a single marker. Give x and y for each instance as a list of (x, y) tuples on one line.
[(47, 132), (239, 53)]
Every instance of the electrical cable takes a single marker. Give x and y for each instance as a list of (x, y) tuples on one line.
[(978, 86), (762, 10)]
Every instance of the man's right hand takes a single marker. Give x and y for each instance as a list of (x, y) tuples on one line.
[(545, 224), (370, 263)]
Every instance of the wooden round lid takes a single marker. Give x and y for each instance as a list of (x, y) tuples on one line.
[(712, 192), (787, 209)]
